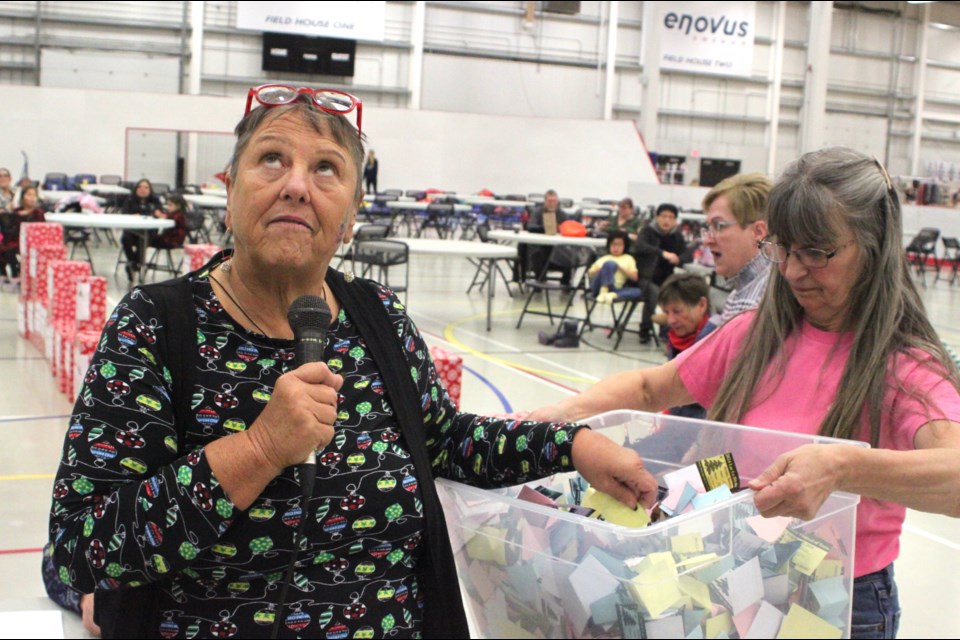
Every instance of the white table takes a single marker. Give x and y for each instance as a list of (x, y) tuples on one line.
[(214, 191), (422, 206), (525, 237), (206, 202), (56, 195), (485, 252), (140, 225), (106, 189)]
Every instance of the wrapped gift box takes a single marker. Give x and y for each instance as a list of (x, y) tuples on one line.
[(84, 345), (35, 234), (87, 315), (449, 370), (198, 255), (91, 303), (62, 278)]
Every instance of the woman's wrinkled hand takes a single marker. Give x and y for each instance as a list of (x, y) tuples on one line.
[(612, 469), (800, 481), (299, 417)]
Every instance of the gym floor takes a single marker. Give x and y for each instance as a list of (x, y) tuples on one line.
[(504, 370)]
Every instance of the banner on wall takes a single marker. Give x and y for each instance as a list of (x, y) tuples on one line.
[(707, 37), (351, 20)]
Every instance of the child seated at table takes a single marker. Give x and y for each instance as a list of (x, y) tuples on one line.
[(611, 274)]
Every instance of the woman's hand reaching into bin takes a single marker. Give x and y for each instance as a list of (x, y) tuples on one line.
[(612, 469)]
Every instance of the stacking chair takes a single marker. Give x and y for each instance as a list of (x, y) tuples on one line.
[(480, 275), (197, 231), (562, 256), (168, 266), (365, 232), (160, 188), (393, 194), (382, 255), (951, 256), (416, 194), (110, 179), (55, 182), (622, 311), (80, 179), (439, 217), (921, 249)]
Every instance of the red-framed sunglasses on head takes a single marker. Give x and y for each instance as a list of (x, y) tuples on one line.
[(329, 100)]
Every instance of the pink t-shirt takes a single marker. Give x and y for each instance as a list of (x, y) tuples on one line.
[(799, 400)]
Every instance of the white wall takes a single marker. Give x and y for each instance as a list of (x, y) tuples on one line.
[(75, 130)]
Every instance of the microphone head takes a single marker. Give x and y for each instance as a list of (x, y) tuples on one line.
[(308, 314)]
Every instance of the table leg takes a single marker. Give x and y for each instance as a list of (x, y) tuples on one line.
[(143, 255), (491, 282)]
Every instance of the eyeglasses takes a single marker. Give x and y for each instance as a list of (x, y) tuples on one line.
[(811, 258), (329, 100), (714, 227)]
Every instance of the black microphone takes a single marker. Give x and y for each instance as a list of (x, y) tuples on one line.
[(309, 317)]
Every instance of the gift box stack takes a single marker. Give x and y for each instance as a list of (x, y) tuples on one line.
[(449, 370), (77, 304), (199, 254), (84, 344), (38, 323), (32, 236), (62, 310), (91, 314)]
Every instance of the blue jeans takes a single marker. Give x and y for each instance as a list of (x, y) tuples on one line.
[(605, 278), (876, 605)]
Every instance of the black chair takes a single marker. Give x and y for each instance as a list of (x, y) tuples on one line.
[(197, 232), (77, 181), (364, 232), (110, 179), (439, 217), (55, 182), (160, 188), (168, 266), (563, 257), (622, 311), (416, 194), (921, 249), (951, 256), (383, 255), (481, 274)]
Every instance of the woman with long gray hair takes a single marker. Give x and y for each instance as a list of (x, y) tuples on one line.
[(840, 346)]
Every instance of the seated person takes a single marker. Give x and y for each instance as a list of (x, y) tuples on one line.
[(610, 275), (626, 220), (661, 247), (683, 299), (10, 221), (175, 209), (145, 203), (545, 218)]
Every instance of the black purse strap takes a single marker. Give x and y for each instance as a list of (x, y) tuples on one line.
[(444, 616)]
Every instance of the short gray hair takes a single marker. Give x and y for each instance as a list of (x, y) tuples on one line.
[(335, 125)]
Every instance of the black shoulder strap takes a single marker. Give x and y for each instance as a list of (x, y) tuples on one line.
[(174, 302), (132, 612), (443, 612)]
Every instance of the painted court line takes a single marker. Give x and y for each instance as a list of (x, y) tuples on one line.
[(931, 536)]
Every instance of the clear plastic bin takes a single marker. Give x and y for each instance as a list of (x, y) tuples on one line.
[(528, 570)]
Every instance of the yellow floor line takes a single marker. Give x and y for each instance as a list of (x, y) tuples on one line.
[(449, 334), (29, 476)]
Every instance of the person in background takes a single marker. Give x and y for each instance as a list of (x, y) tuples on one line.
[(683, 298), (370, 169), (736, 223), (659, 249), (545, 218), (175, 209), (145, 203), (204, 492), (10, 221), (626, 220), (611, 273), (6, 193), (840, 346)]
